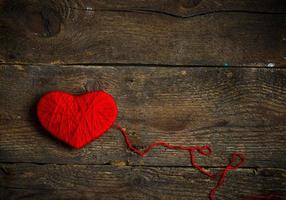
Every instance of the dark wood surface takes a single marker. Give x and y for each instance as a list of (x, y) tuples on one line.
[(230, 109), (173, 32), (124, 182), (191, 72)]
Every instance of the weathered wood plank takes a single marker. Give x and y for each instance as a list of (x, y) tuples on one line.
[(144, 32), (113, 182), (229, 109), (181, 8)]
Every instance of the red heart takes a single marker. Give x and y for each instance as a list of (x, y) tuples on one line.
[(77, 120)]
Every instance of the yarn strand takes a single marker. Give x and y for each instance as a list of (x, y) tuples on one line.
[(203, 150)]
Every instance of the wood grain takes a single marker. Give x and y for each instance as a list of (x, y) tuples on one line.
[(229, 109), (187, 72), (173, 32), (112, 182)]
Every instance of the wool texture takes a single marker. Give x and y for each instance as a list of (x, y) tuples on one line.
[(77, 120)]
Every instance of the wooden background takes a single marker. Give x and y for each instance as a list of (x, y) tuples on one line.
[(197, 72)]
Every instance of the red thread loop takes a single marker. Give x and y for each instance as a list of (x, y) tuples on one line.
[(234, 158), (204, 150), (229, 167)]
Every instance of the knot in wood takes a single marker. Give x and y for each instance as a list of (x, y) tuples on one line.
[(40, 17), (188, 4)]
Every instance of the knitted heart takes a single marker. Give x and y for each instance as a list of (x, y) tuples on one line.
[(77, 120)]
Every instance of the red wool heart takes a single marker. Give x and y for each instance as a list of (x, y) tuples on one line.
[(77, 120)]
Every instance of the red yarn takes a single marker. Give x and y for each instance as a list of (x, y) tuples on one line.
[(204, 150), (77, 120)]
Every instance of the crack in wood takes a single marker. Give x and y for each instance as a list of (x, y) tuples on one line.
[(142, 11)]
